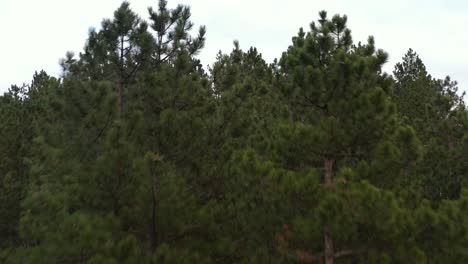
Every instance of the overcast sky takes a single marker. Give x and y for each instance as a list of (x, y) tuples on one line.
[(36, 34)]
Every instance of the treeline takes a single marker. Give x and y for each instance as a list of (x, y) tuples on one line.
[(138, 154)]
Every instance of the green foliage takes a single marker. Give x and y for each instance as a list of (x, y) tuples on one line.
[(436, 111), (139, 155)]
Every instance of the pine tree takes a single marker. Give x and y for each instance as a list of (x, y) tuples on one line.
[(91, 158), (14, 137), (22, 111), (246, 113), (342, 117), (124, 47), (435, 109)]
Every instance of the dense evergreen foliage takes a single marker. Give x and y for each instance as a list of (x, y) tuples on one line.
[(138, 154)]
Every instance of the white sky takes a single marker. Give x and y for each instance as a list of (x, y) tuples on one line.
[(36, 34)]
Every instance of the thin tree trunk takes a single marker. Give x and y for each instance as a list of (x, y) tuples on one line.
[(328, 172), (329, 251), (120, 99), (450, 143), (154, 234), (328, 240), (121, 81)]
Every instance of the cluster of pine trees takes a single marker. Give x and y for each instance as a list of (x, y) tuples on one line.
[(138, 154)]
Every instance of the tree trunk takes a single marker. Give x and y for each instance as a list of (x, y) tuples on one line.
[(121, 81), (450, 143), (329, 251), (328, 172), (154, 234), (120, 99), (328, 183)]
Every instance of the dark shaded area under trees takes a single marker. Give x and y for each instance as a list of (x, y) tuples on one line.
[(138, 154)]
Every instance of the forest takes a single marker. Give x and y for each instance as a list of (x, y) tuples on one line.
[(138, 153)]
